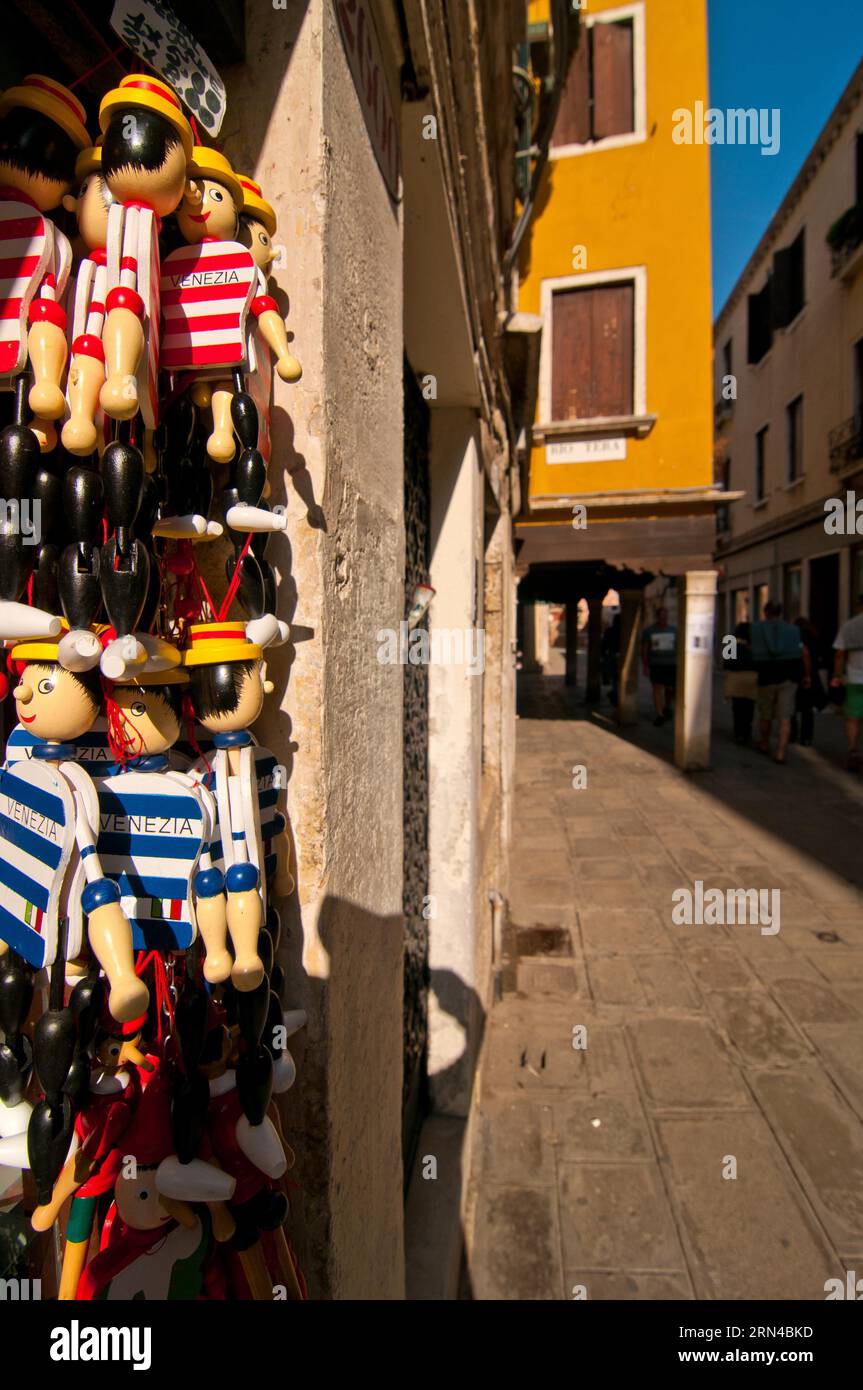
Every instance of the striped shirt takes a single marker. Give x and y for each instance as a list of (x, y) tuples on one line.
[(152, 831), (26, 248), (206, 292), (37, 830), (270, 781)]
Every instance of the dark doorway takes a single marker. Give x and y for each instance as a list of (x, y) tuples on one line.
[(824, 601)]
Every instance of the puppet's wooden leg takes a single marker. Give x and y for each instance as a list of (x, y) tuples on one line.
[(78, 1233), (244, 924), (47, 348), (111, 939), (257, 1275), (123, 340), (86, 379), (287, 1267), (212, 920), (221, 443)]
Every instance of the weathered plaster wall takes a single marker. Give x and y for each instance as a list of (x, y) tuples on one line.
[(295, 121), (455, 744)]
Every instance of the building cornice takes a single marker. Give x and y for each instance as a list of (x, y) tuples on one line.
[(831, 131)]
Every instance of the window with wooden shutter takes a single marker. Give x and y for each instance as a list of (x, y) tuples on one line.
[(613, 96), (598, 98), (592, 351), (760, 324), (572, 126), (788, 295)]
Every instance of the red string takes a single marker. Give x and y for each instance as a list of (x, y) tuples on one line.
[(189, 721), (120, 741), (235, 582), (160, 981), (96, 67)]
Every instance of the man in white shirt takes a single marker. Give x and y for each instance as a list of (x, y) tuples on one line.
[(848, 671)]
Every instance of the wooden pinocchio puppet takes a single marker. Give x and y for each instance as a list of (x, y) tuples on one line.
[(114, 1092), (41, 132), (214, 280), (257, 228), (157, 1238), (86, 375), (147, 143), (155, 823), (49, 864), (255, 1157), (227, 684)]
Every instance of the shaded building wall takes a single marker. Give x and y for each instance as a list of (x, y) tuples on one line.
[(336, 717)]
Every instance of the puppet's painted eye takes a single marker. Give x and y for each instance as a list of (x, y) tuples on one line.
[(113, 1052), (263, 238), (138, 708), (216, 195), (45, 687)]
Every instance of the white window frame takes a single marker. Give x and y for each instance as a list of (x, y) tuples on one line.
[(639, 82), (548, 288)]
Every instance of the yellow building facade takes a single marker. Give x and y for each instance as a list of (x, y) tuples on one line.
[(615, 270)]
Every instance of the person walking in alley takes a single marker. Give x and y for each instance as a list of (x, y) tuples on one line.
[(659, 659), (740, 684), (809, 697), (782, 663), (848, 671)]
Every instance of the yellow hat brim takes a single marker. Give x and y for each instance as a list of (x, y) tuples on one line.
[(201, 166), (35, 651), (212, 653), (258, 208), (48, 105), (88, 162), (152, 101), (172, 675)]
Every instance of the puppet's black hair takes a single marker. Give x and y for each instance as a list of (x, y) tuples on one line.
[(171, 695), (35, 144), (137, 139), (90, 681), (216, 689)]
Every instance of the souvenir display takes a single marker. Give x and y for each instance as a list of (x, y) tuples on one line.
[(145, 835)]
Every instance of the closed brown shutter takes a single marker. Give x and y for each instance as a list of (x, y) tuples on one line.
[(613, 96), (592, 352), (572, 126)]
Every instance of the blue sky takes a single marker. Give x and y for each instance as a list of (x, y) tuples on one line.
[(789, 54)]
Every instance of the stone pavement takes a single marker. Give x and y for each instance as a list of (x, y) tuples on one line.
[(601, 1167)]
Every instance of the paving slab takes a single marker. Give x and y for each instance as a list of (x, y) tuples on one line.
[(598, 1128), (618, 1286), (616, 1215), (683, 1063), (749, 1237), (516, 1252), (823, 1140), (757, 1028)]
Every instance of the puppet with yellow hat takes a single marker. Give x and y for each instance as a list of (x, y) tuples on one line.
[(147, 145), (57, 706), (41, 132)]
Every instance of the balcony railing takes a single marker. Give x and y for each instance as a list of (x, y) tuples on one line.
[(845, 239), (846, 442)]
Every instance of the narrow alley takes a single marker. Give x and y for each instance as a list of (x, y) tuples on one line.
[(671, 1111)]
